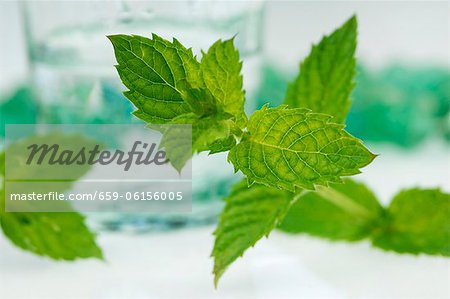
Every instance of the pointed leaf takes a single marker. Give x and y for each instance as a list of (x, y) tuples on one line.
[(286, 148), (417, 222), (221, 70), (157, 73), (248, 215), (326, 77)]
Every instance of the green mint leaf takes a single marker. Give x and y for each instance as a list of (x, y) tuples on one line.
[(169, 86), (222, 145), (285, 148), (221, 70), (325, 81), (348, 211), (206, 133), (56, 235), (249, 214), (206, 130), (218, 107), (158, 74), (201, 101), (417, 222)]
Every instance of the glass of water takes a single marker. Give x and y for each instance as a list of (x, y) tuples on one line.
[(74, 80)]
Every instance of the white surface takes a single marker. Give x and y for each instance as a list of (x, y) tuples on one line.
[(176, 265)]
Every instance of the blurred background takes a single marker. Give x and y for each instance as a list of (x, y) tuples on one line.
[(56, 66)]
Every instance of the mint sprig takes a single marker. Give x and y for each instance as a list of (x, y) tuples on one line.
[(284, 147), (294, 156)]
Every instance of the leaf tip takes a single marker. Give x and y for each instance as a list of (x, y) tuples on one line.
[(114, 38), (353, 19), (111, 37), (216, 281), (373, 156), (100, 256), (217, 272), (155, 36)]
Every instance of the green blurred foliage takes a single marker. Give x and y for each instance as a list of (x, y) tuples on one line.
[(401, 105), (17, 108)]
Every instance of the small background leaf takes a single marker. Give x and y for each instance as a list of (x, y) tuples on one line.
[(326, 77), (347, 211), (418, 221), (56, 235)]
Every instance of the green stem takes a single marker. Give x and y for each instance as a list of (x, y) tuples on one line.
[(343, 201), (297, 196)]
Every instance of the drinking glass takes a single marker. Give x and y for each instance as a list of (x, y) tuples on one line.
[(74, 80)]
